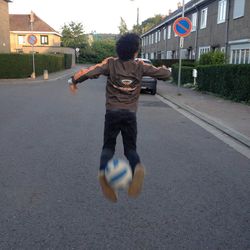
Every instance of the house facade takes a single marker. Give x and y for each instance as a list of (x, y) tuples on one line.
[(4, 27), (222, 25), (22, 26)]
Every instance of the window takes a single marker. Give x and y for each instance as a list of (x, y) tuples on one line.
[(169, 31), (203, 50), (203, 18), (163, 54), (239, 8), (194, 21), (159, 35), (44, 40), (21, 39), (240, 56), (156, 36), (223, 49), (169, 54), (164, 33), (222, 9)]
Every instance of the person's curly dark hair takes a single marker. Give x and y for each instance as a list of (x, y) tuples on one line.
[(127, 45)]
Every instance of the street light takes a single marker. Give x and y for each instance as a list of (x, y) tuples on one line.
[(137, 18)]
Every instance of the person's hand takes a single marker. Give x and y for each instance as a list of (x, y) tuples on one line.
[(72, 87), (164, 67)]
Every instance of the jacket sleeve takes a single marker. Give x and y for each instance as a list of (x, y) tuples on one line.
[(159, 73), (91, 72)]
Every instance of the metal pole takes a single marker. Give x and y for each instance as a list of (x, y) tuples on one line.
[(33, 53), (137, 16), (180, 47)]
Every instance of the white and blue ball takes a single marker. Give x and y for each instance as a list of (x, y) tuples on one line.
[(118, 174)]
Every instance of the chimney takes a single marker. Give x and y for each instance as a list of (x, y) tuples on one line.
[(179, 5), (32, 17), (169, 12)]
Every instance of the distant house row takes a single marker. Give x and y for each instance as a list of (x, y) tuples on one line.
[(222, 25), (16, 29)]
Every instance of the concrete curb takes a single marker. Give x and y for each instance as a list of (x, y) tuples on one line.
[(211, 121)]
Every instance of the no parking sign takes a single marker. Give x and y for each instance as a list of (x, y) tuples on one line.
[(182, 26), (32, 39)]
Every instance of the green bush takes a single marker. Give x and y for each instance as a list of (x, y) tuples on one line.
[(212, 58), (186, 74), (230, 81), (20, 65)]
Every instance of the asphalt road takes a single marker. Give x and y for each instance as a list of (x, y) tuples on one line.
[(196, 193)]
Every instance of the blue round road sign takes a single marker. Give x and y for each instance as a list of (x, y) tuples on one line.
[(32, 39), (182, 26)]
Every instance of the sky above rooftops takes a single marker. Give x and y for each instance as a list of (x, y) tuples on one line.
[(95, 15)]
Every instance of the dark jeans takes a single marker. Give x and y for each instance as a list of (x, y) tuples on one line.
[(117, 121)]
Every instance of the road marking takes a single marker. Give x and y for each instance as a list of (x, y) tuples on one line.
[(217, 133)]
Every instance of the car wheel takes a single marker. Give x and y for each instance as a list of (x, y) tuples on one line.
[(153, 91)]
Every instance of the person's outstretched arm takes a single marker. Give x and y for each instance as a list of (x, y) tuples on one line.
[(88, 73), (161, 73)]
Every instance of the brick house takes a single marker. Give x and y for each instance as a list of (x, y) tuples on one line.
[(20, 29), (4, 27), (217, 25)]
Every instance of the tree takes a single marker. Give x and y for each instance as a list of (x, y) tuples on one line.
[(123, 27), (103, 49), (99, 50), (137, 29), (150, 23), (73, 35)]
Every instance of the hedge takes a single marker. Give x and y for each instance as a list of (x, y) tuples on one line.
[(20, 65), (186, 74), (67, 61), (230, 81), (171, 62)]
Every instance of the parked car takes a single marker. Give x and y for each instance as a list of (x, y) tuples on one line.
[(148, 83)]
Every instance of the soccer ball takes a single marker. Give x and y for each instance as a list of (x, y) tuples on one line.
[(118, 174)]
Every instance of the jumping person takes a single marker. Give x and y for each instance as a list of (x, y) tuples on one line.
[(123, 87)]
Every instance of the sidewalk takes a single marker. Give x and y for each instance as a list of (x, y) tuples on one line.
[(52, 77), (230, 117)]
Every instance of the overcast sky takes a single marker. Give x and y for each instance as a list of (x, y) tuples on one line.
[(102, 16)]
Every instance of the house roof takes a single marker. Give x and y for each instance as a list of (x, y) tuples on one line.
[(22, 23)]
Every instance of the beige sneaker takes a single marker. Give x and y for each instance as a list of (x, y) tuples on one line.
[(107, 190), (137, 181)]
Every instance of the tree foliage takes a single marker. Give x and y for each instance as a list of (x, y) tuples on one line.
[(123, 27), (73, 35), (98, 51), (150, 23)]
